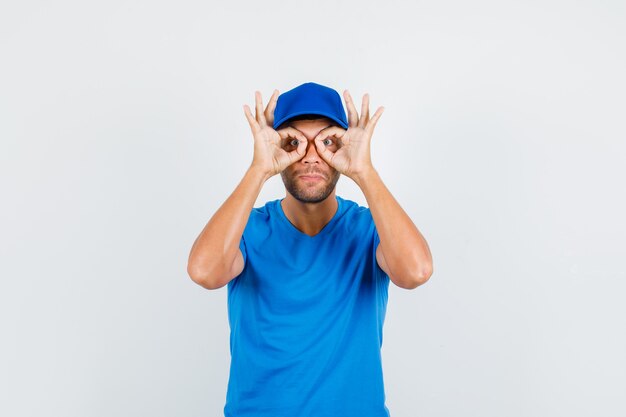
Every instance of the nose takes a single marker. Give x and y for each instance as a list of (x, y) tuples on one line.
[(311, 155)]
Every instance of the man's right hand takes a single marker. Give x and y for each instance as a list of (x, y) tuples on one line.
[(269, 154)]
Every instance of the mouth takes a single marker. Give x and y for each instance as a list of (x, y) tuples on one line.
[(311, 177)]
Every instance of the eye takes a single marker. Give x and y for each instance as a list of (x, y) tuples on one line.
[(294, 142), (328, 142)]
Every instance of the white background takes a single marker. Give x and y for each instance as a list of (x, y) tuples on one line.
[(122, 131)]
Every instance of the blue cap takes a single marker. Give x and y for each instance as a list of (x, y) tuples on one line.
[(310, 98)]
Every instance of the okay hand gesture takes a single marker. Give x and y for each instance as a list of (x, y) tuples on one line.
[(353, 157), (268, 153)]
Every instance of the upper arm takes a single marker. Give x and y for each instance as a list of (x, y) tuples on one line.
[(239, 262), (380, 259), (235, 269), (237, 266)]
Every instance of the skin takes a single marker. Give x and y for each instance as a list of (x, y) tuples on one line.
[(309, 204), (311, 147)]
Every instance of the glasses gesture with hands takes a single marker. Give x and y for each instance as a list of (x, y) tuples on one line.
[(352, 158), (269, 156)]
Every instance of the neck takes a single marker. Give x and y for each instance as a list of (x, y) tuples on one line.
[(309, 218)]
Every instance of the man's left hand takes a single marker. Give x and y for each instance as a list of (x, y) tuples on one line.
[(353, 157)]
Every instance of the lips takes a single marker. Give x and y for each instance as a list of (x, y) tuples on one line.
[(312, 177), (312, 174)]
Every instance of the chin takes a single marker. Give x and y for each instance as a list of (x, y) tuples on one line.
[(309, 194)]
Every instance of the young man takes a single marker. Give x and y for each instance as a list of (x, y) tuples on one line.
[(308, 274)]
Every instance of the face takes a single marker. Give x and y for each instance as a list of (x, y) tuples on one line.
[(310, 190)]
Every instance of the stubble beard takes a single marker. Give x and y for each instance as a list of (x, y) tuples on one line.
[(310, 194)]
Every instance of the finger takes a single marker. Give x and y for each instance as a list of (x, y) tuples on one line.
[(269, 110), (323, 151), (353, 117), (335, 132), (291, 133), (298, 153), (251, 121), (259, 108), (372, 123), (365, 110)]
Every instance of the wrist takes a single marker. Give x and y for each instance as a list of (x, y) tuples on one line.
[(259, 172), (365, 176)]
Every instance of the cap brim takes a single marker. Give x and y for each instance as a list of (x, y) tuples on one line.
[(285, 118)]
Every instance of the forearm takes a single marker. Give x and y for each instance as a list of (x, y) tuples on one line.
[(215, 248), (405, 250)]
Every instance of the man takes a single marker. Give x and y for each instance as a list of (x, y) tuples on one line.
[(308, 274)]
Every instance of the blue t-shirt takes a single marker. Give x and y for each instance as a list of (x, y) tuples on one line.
[(306, 318)]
